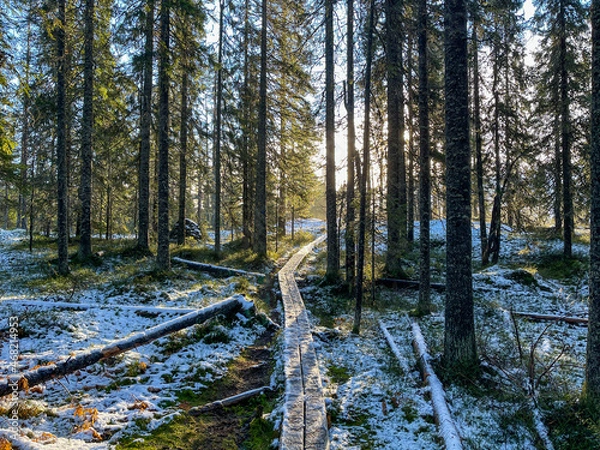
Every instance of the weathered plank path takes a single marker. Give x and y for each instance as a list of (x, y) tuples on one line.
[(304, 419)]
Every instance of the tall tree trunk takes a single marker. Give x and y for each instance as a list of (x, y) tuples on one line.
[(109, 201), (61, 142), (350, 209), (333, 259), (25, 132), (281, 209), (459, 338), (396, 182), (424, 165), (592, 370), (565, 136), (493, 243), (410, 201), (87, 128), (162, 257), (557, 204), (479, 144), (218, 133), (145, 125), (246, 166), (362, 221), (183, 138), (259, 242)]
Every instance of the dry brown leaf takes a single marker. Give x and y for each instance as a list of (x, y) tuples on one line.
[(139, 405), (37, 389), (96, 435), (5, 444), (45, 438), (24, 384), (88, 415), (384, 407)]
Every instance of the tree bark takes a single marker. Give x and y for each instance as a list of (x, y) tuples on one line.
[(259, 242), (557, 204), (61, 142), (592, 370), (478, 142), (162, 256), (362, 221), (145, 125), (87, 128), (333, 259), (183, 138), (424, 164), (396, 174), (459, 332), (25, 131), (218, 133), (350, 209), (411, 188), (565, 135), (246, 163)]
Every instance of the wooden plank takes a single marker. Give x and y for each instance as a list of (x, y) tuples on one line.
[(305, 419)]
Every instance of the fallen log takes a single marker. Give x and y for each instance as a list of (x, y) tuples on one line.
[(567, 319), (217, 270), (73, 363), (441, 413), (233, 400), (397, 283), (388, 337), (86, 306)]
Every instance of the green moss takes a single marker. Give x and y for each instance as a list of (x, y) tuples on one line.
[(261, 435), (573, 425), (523, 277), (338, 374), (559, 267), (410, 413)]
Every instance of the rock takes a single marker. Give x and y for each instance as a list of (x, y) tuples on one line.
[(192, 229)]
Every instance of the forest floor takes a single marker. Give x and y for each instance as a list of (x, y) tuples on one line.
[(140, 399)]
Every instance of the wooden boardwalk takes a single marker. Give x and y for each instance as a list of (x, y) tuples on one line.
[(304, 419)]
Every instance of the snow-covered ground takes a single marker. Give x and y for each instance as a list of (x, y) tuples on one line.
[(377, 403), (374, 400), (93, 407)]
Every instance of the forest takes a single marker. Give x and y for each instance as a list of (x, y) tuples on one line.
[(254, 224)]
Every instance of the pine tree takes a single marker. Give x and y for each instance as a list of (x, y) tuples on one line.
[(592, 370), (87, 130), (459, 332), (61, 142), (218, 131), (260, 211), (350, 208), (333, 260), (396, 171), (561, 82), (145, 126), (362, 221), (424, 163), (162, 256)]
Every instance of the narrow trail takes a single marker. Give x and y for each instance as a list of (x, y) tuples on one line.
[(305, 419)]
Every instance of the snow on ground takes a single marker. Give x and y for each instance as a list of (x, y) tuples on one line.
[(92, 408), (374, 404)]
